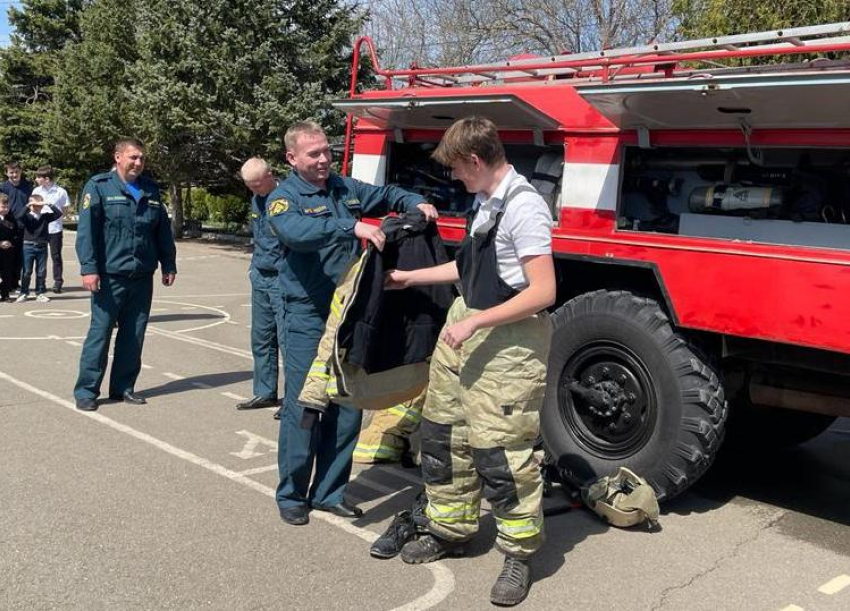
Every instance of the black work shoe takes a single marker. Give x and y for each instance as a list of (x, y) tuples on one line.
[(57, 288), (429, 548), (86, 405), (400, 531), (296, 516), (276, 415), (129, 397), (343, 510), (257, 403), (513, 582)]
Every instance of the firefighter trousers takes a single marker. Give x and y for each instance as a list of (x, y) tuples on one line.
[(387, 436), (480, 423)]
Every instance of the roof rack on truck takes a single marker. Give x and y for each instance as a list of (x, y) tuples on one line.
[(833, 37)]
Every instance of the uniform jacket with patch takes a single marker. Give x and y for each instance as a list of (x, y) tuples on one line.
[(377, 344), (315, 227), (117, 235)]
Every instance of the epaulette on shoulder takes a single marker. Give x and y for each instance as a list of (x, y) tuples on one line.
[(101, 177)]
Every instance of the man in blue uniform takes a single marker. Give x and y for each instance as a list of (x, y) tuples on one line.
[(315, 214), (123, 235), (266, 294)]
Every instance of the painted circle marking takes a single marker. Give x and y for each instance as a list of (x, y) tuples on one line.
[(56, 314)]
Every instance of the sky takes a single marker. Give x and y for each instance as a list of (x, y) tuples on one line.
[(4, 21)]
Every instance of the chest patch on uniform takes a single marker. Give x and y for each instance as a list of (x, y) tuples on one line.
[(278, 206), (254, 215), (87, 201), (116, 198), (152, 202), (315, 210), (352, 202)]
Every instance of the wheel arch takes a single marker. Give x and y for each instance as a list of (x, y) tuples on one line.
[(577, 274)]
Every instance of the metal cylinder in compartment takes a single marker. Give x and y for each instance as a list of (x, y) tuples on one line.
[(734, 198)]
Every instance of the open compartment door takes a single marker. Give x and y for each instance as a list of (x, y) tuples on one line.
[(507, 111), (785, 101)]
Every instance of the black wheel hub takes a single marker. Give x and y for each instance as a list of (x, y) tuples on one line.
[(608, 400)]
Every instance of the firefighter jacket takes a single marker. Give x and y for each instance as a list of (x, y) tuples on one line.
[(377, 344)]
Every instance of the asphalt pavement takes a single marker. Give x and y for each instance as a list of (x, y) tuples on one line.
[(170, 505)]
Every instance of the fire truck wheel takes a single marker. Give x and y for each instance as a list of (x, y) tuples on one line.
[(624, 389)]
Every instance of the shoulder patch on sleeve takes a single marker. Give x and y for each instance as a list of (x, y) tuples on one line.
[(278, 206), (87, 201)]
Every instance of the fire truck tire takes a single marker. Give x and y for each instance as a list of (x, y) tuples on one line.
[(624, 389)]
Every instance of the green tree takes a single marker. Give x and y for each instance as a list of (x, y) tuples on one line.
[(42, 28), (706, 18), (205, 84)]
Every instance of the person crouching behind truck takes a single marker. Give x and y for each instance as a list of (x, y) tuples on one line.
[(488, 373)]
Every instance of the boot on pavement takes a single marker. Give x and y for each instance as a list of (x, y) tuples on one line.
[(512, 585)]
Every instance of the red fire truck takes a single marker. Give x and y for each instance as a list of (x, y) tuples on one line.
[(700, 202)]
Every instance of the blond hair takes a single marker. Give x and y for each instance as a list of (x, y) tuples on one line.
[(254, 169), (290, 139), (470, 136)]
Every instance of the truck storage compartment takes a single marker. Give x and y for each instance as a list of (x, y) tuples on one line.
[(411, 167), (788, 196)]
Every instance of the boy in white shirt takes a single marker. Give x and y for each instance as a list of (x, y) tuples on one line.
[(57, 198)]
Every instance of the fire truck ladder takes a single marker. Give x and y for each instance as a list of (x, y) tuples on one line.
[(811, 39), (606, 64)]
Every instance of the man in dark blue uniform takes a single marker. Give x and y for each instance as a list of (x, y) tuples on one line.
[(315, 214), (124, 234), (266, 294)]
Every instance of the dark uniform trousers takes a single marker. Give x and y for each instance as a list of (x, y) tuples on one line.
[(330, 442), (125, 302), (267, 319), (55, 240)]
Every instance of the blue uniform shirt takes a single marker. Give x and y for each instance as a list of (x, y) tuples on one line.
[(316, 229), (266, 255), (118, 235), (18, 195)]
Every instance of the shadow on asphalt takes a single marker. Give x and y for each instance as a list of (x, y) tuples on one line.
[(213, 380), (812, 479), (183, 317)]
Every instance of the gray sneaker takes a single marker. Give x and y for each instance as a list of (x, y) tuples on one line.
[(21, 298), (42, 298)]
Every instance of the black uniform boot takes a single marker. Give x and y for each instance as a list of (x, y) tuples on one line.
[(399, 532), (512, 585), (429, 548)]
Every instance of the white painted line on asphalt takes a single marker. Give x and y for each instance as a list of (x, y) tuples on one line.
[(257, 470), (792, 608), (233, 395), (173, 376), (834, 586), (146, 366), (201, 385), (189, 308), (73, 343), (444, 581), (249, 447), (202, 342), (7, 315), (363, 480), (225, 316)]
